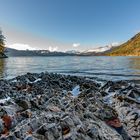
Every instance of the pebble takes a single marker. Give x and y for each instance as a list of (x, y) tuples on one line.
[(63, 107)]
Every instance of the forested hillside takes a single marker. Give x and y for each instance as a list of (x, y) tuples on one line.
[(129, 48)]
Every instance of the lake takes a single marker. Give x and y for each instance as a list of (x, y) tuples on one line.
[(100, 67)]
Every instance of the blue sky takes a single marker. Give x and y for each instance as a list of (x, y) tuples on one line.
[(62, 23)]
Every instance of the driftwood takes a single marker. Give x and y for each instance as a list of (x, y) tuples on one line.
[(132, 99)]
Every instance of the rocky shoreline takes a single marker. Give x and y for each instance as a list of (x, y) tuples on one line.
[(50, 106)]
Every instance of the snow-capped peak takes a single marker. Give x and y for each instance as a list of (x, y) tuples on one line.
[(99, 49)]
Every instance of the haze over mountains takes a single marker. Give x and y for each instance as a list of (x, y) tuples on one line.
[(129, 48), (94, 51)]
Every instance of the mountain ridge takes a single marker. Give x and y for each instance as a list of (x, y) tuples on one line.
[(90, 52), (129, 48)]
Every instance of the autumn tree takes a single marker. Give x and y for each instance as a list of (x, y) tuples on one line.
[(2, 44)]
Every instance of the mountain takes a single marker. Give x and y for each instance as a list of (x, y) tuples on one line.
[(92, 52), (72, 52), (97, 51), (14, 52), (129, 48)]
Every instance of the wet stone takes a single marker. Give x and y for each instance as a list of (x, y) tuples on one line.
[(50, 106)]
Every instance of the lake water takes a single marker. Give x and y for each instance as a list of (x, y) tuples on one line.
[(100, 67)]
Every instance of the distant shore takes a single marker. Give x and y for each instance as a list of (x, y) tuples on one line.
[(54, 106)]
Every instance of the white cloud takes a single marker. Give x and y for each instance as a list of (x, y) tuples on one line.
[(75, 45), (52, 49), (19, 46), (115, 43)]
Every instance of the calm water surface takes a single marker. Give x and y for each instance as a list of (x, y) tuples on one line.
[(107, 68)]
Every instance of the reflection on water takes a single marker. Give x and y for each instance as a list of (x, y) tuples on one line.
[(2, 66), (108, 68), (135, 63)]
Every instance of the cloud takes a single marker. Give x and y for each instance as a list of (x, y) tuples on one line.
[(19, 46), (52, 49), (75, 45), (115, 43)]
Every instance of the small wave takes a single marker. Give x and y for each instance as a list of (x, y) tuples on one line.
[(93, 73)]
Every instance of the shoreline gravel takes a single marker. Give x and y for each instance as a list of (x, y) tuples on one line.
[(49, 106)]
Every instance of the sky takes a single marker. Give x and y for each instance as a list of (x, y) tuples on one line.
[(60, 25)]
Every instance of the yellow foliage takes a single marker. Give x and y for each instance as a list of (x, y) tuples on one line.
[(1, 48), (130, 48)]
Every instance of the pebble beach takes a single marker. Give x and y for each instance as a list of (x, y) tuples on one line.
[(50, 106)]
